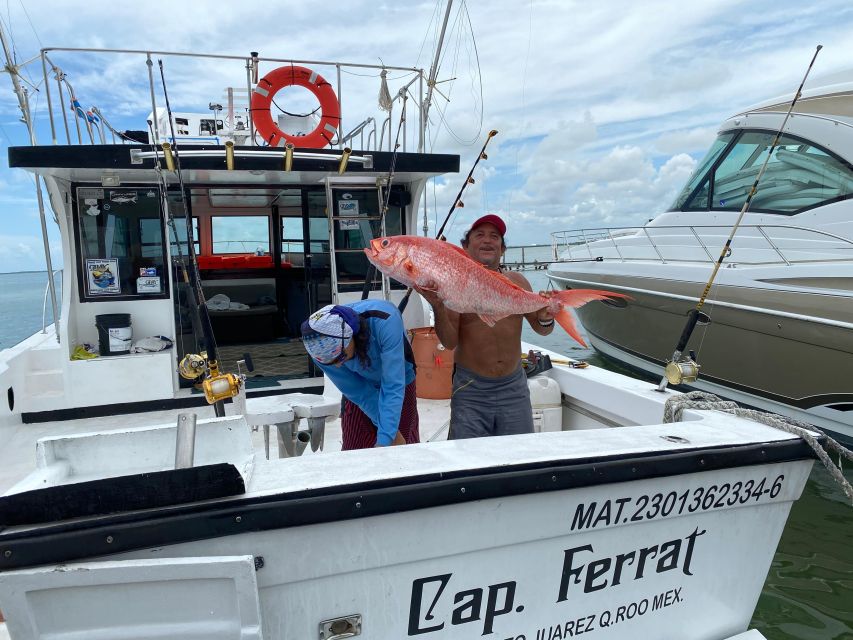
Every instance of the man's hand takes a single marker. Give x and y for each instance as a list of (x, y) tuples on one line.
[(429, 293), (544, 314)]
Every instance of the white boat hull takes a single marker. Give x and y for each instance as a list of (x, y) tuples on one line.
[(662, 531)]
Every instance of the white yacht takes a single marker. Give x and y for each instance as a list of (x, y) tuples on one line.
[(781, 310), (123, 516)]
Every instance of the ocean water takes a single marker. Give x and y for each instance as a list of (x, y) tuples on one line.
[(808, 594), (21, 299)]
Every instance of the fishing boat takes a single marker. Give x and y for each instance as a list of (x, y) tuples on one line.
[(780, 336), (136, 506)]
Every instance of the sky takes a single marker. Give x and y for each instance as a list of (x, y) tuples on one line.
[(603, 109)]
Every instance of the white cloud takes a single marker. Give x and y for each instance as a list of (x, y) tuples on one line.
[(598, 105)]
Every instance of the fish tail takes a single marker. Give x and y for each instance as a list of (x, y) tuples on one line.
[(576, 298), (565, 320), (579, 297)]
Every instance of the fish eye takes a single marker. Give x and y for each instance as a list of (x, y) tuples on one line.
[(386, 242)]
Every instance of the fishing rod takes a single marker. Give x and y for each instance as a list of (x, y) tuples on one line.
[(371, 268), (170, 221), (216, 386), (457, 202), (680, 370), (469, 180)]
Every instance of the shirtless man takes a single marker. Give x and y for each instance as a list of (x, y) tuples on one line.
[(490, 394)]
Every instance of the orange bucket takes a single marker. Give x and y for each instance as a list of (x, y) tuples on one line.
[(434, 362)]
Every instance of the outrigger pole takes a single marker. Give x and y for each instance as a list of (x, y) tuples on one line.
[(680, 370), (191, 273)]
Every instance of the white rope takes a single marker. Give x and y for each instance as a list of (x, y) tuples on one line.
[(675, 406)]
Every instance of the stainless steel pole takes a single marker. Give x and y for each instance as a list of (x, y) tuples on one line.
[(23, 103), (47, 92), (150, 64), (433, 70)]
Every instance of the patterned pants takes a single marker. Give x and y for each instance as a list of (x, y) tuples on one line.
[(359, 432)]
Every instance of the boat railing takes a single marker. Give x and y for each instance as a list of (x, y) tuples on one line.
[(90, 126), (752, 245), (44, 322)]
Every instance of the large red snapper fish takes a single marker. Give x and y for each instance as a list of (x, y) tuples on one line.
[(466, 286)]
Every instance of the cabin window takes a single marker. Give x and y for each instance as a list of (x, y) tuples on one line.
[(181, 232), (799, 176), (206, 127), (241, 234), (121, 244), (356, 220)]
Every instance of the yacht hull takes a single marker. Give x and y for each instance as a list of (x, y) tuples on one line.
[(781, 351)]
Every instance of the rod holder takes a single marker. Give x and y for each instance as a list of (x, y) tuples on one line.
[(344, 160), (288, 157), (229, 155), (254, 55), (317, 429), (303, 438), (185, 441), (168, 157)]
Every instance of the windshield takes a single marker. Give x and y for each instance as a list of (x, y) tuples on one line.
[(799, 176), (710, 158)]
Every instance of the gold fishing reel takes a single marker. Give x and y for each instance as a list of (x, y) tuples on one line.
[(193, 366), (216, 386), (685, 371)]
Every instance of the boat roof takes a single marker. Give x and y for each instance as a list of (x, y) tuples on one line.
[(834, 97), (254, 166)]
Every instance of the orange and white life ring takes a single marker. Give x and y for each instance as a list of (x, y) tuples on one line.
[(277, 79)]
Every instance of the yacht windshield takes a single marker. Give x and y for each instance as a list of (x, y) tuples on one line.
[(799, 176), (710, 158)]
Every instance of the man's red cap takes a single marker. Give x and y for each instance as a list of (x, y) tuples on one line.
[(490, 218)]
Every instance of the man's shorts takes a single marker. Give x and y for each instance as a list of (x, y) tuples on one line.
[(483, 406)]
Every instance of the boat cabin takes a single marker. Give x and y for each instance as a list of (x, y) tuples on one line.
[(278, 232)]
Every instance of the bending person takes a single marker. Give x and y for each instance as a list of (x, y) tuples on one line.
[(362, 348)]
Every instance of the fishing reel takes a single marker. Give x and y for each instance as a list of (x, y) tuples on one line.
[(216, 386), (684, 371)]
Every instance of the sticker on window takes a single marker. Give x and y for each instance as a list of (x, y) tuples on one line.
[(102, 276), (347, 207)]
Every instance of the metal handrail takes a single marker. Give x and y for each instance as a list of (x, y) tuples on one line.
[(584, 239), (249, 62), (798, 114), (44, 305)]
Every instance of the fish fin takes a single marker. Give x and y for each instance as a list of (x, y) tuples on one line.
[(579, 297), (503, 278), (489, 320), (459, 249), (410, 267), (565, 320)]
